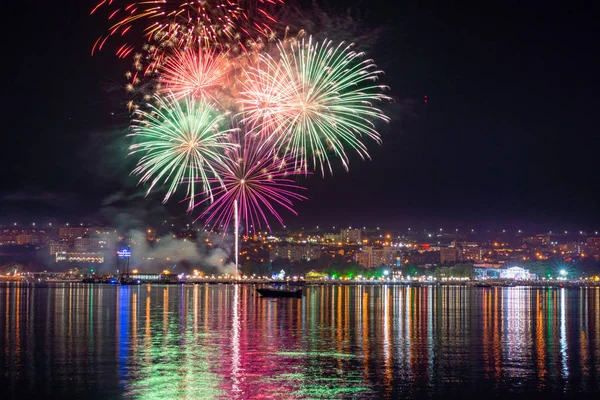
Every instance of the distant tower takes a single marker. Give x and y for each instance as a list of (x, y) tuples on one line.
[(123, 256)]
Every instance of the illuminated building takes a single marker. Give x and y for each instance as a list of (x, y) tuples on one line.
[(295, 252), (29, 238), (93, 244), (332, 237), (8, 237), (537, 240), (593, 245), (80, 257), (70, 233), (351, 236), (58, 247), (515, 273), (372, 257), (472, 254), (392, 256), (23, 237)]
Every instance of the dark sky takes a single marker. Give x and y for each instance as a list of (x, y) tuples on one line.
[(508, 137)]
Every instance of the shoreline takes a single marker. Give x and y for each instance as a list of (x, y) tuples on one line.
[(473, 284)]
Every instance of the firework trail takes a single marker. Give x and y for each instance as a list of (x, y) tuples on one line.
[(183, 23), (312, 100), (182, 142), (259, 182)]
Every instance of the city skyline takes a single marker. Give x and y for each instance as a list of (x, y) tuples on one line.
[(404, 229)]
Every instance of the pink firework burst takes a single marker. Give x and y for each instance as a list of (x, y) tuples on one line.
[(265, 97), (198, 73), (260, 182)]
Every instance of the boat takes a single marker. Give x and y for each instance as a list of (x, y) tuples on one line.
[(275, 292), (482, 284)]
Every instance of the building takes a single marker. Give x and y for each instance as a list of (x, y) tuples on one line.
[(363, 258), (350, 235), (70, 233), (537, 240), (80, 257), (27, 238), (573, 248), (373, 257), (295, 252), (23, 236), (450, 255), (593, 245), (517, 273), (58, 246), (93, 244), (418, 257), (392, 256), (472, 254), (8, 237), (332, 237)]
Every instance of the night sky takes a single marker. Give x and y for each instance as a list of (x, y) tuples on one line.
[(508, 137)]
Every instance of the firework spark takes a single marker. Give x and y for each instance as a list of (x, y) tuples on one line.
[(259, 182), (182, 142), (314, 99), (186, 22), (196, 73)]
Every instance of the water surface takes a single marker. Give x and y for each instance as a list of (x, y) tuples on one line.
[(224, 341)]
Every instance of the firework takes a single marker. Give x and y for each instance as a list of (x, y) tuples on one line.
[(259, 182), (183, 23), (196, 73), (313, 99), (182, 143)]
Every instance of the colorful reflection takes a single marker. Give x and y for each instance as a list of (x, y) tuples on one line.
[(224, 341)]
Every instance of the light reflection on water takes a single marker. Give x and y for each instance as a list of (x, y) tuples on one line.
[(223, 341)]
